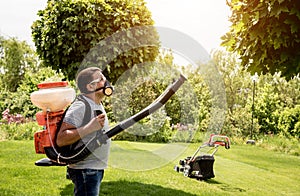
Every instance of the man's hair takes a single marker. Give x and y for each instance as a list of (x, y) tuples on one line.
[(84, 77)]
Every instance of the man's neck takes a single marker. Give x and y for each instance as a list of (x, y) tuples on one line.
[(93, 97)]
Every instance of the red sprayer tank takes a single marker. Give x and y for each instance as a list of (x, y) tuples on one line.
[(52, 98)]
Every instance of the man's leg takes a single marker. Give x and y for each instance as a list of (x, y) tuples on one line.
[(86, 181)]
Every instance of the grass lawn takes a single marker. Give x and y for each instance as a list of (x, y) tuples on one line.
[(242, 170)]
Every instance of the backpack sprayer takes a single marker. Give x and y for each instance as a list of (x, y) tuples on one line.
[(201, 167), (53, 97)]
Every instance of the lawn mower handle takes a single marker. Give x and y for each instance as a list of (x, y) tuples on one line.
[(220, 140)]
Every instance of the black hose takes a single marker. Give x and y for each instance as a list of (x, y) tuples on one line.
[(80, 153)]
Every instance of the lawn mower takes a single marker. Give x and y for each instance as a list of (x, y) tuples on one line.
[(201, 167)]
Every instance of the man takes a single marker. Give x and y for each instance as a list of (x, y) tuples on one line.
[(88, 173)]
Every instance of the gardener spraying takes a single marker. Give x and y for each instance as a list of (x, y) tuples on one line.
[(88, 173), (79, 137)]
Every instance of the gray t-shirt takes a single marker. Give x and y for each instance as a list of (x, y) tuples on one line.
[(74, 116)]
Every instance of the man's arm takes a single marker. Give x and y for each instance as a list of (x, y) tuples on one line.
[(68, 134)]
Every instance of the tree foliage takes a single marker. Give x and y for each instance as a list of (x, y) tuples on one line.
[(275, 99), (67, 30), (19, 102), (16, 57), (238, 87), (266, 35), (272, 108)]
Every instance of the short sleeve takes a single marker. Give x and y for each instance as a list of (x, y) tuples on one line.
[(75, 114)]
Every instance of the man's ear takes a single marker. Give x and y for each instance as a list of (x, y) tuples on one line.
[(90, 87)]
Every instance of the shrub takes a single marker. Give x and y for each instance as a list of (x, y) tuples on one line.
[(184, 133), (15, 131), (266, 108), (149, 129), (280, 143), (19, 102), (274, 95), (9, 118), (289, 121)]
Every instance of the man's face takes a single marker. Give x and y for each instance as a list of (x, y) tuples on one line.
[(98, 82)]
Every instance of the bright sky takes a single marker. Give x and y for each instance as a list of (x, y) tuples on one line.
[(203, 20)]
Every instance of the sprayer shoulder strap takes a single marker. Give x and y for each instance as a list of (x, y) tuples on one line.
[(86, 119), (87, 111)]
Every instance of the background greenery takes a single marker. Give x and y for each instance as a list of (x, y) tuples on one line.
[(273, 104), (275, 110), (266, 35), (65, 32)]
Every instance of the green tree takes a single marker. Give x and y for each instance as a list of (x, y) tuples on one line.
[(266, 35), (67, 30), (19, 102), (16, 57), (239, 91)]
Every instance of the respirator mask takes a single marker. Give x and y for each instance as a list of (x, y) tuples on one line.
[(107, 89)]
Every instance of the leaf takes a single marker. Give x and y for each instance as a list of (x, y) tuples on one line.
[(276, 44)]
